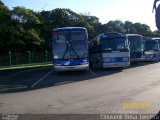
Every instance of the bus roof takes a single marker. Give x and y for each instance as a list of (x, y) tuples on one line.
[(98, 36), (69, 28), (150, 39), (134, 35), (113, 35), (109, 35), (156, 38)]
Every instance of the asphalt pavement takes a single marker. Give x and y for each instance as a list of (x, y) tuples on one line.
[(134, 90)]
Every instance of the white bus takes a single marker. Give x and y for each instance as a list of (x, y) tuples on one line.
[(70, 49), (152, 50), (136, 45), (110, 50)]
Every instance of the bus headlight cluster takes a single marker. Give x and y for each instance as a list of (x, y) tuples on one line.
[(83, 63)]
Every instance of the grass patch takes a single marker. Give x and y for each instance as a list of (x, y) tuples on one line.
[(24, 66), (7, 87), (4, 88)]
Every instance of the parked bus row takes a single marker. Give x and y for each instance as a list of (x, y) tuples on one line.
[(73, 51)]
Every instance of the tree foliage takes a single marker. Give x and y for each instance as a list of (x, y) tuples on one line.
[(23, 29)]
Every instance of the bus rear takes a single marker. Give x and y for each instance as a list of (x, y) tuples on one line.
[(152, 51), (70, 49), (136, 45), (110, 50)]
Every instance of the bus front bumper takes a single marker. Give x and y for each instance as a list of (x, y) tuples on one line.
[(118, 64), (151, 59), (71, 68), (137, 59)]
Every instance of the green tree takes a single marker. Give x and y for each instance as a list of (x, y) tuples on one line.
[(32, 39), (156, 33), (29, 25), (23, 29), (5, 23), (142, 29), (63, 17), (114, 26), (129, 27), (25, 16)]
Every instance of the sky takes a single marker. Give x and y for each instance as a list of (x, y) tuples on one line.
[(105, 10)]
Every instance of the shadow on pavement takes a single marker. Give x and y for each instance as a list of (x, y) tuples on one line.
[(31, 76), (71, 77), (139, 64)]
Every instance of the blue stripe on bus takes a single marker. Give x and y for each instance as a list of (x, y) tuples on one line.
[(71, 62), (117, 59), (70, 29), (151, 56), (135, 56)]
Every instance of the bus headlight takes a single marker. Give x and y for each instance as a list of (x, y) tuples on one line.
[(83, 63), (125, 59), (55, 64)]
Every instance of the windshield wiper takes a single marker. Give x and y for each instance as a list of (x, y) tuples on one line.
[(69, 46), (72, 49), (65, 52)]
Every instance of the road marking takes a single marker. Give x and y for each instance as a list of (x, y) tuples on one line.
[(41, 79), (91, 72)]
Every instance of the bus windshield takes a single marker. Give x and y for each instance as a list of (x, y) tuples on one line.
[(135, 43), (158, 39), (114, 44), (79, 43), (70, 44), (151, 45)]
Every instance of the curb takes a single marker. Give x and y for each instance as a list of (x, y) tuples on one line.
[(24, 67), (10, 89)]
